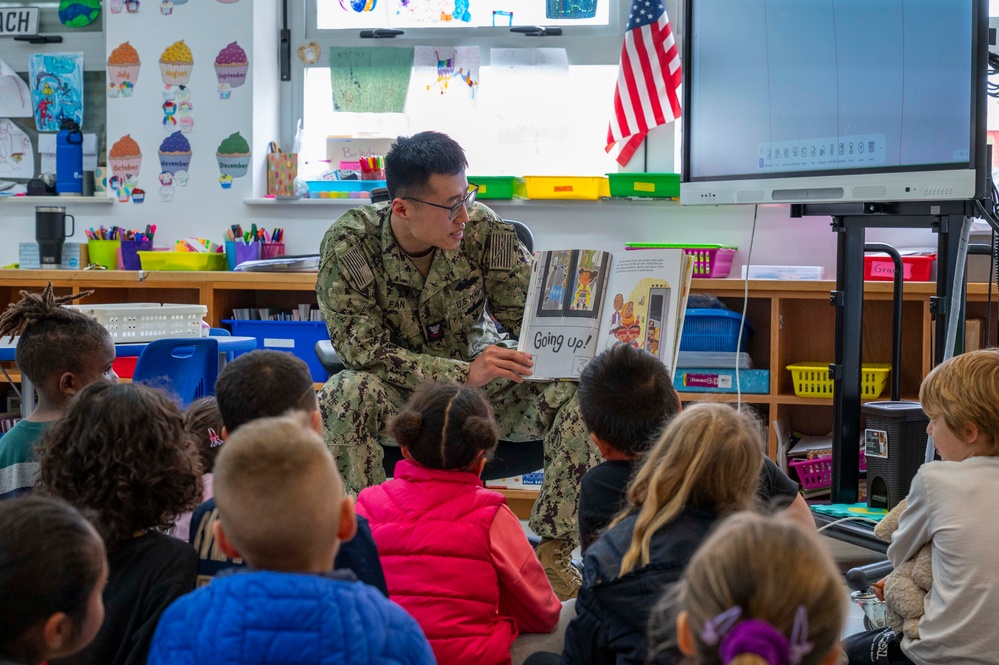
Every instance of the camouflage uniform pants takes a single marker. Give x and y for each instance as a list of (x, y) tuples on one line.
[(357, 406)]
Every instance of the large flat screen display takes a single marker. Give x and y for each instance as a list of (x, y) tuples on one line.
[(803, 101)]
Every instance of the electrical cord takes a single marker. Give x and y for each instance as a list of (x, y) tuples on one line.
[(745, 305), (993, 69)]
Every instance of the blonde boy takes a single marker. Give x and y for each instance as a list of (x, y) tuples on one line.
[(951, 506), (282, 508)]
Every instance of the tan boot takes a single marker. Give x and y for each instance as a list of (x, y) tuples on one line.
[(556, 557)]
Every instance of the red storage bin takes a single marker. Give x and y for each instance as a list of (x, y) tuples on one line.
[(124, 366), (880, 267)]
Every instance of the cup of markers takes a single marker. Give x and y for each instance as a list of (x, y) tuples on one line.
[(372, 168), (104, 246), (132, 242)]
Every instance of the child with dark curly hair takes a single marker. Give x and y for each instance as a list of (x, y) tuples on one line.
[(60, 350), (52, 573), (122, 456), (454, 554)]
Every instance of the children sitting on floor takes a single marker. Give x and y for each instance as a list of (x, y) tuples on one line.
[(121, 456), (705, 466), (950, 506), (257, 385), (760, 591), (455, 556), (204, 422), (626, 397), (52, 573), (60, 350), (283, 510)]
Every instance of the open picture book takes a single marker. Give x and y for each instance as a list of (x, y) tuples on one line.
[(582, 301)]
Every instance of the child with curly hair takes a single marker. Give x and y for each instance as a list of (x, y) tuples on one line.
[(60, 350), (455, 556), (122, 456), (52, 573), (760, 591), (203, 421)]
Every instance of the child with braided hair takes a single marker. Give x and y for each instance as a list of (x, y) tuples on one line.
[(759, 591), (455, 556), (61, 351)]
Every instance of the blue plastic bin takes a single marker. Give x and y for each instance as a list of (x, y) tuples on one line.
[(713, 330), (296, 337)]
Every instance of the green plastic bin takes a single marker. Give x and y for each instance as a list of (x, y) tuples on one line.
[(499, 186), (658, 185)]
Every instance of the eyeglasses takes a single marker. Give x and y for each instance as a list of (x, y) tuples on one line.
[(452, 211)]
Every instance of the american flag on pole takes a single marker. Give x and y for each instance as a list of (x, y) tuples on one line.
[(648, 81)]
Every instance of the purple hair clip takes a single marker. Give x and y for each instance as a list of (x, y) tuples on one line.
[(756, 636), (214, 439)]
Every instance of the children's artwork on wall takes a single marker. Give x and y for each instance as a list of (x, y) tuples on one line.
[(125, 159), (231, 66), (17, 159), (56, 89), (370, 79), (430, 12), (175, 153), (123, 70), (78, 13), (176, 64), (444, 77), (233, 156), (15, 98)]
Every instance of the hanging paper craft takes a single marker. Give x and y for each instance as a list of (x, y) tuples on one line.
[(176, 64), (15, 98), (166, 7), (166, 187), (116, 6), (230, 69), (125, 158), (309, 53), (175, 153), (370, 79), (78, 13), (123, 70), (17, 159), (233, 156), (132, 7), (445, 76), (56, 89)]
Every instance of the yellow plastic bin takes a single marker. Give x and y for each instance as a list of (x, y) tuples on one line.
[(183, 261), (566, 187), (813, 380)]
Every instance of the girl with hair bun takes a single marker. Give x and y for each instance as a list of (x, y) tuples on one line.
[(455, 556)]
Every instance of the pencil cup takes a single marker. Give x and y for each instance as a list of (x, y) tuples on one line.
[(282, 169), (129, 253), (104, 252), (238, 252), (270, 250)]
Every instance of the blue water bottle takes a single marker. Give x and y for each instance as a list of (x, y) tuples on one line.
[(69, 159)]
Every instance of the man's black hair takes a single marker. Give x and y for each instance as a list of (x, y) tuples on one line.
[(413, 159)]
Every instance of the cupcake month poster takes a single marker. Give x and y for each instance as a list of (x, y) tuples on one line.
[(179, 104)]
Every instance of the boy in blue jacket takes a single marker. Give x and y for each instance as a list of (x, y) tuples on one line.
[(283, 510)]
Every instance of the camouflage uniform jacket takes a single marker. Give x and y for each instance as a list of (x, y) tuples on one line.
[(384, 318)]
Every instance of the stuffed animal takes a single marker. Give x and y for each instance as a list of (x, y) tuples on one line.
[(908, 584)]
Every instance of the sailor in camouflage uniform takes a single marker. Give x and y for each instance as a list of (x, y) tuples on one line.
[(403, 287)]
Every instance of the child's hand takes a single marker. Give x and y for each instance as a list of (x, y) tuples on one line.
[(879, 588)]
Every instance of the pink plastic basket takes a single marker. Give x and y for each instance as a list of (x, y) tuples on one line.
[(714, 262), (817, 473)]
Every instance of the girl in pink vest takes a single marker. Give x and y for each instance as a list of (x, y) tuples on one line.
[(455, 556)]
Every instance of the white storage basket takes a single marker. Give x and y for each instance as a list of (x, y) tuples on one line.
[(146, 321)]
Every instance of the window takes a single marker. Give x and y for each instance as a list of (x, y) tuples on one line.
[(532, 121)]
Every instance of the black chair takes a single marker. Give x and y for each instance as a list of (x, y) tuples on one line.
[(512, 458)]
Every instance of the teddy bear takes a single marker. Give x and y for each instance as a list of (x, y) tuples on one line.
[(907, 585)]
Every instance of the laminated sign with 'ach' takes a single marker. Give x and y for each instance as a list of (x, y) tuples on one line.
[(18, 21)]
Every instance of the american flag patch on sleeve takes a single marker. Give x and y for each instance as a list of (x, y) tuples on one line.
[(353, 266), (502, 245)]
